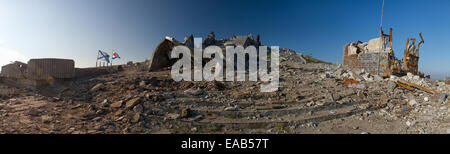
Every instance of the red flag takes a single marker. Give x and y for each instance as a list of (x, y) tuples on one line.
[(115, 55)]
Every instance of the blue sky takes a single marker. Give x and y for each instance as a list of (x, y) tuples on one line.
[(76, 29)]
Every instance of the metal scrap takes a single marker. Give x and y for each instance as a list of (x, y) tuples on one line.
[(411, 86)]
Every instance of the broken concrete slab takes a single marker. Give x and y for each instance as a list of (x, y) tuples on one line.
[(161, 56)]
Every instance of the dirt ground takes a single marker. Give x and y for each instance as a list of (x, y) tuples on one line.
[(313, 99)]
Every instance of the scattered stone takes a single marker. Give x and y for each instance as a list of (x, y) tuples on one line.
[(442, 98), (410, 123), (278, 106), (393, 78), (142, 84), (413, 102), (185, 113), (131, 103), (194, 129), (136, 118), (193, 92), (355, 76), (377, 78), (105, 103), (310, 104), (198, 118), (118, 112), (46, 119), (172, 116), (97, 87), (138, 109), (147, 104), (117, 104), (391, 85), (360, 86), (230, 108)]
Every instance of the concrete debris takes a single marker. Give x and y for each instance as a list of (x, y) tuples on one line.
[(391, 84), (413, 102), (161, 55), (288, 55), (193, 92), (410, 123), (355, 76), (442, 98), (360, 86), (244, 41)]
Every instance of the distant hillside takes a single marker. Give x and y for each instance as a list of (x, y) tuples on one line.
[(310, 59)]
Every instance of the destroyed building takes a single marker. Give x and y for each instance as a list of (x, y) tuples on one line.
[(377, 56), (161, 55), (14, 70), (39, 71)]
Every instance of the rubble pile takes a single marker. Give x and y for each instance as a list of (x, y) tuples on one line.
[(418, 101), (161, 55)]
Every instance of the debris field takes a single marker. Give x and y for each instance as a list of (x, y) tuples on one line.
[(313, 97)]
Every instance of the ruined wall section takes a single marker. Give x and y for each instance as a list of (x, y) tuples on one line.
[(14, 70), (42, 69), (373, 56)]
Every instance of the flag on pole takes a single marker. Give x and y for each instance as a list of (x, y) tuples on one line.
[(115, 55), (102, 56)]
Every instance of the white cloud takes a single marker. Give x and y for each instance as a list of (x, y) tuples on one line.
[(8, 55)]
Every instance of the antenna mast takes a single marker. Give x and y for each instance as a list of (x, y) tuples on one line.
[(382, 11)]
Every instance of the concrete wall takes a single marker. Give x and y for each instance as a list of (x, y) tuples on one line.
[(14, 70), (42, 69)]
